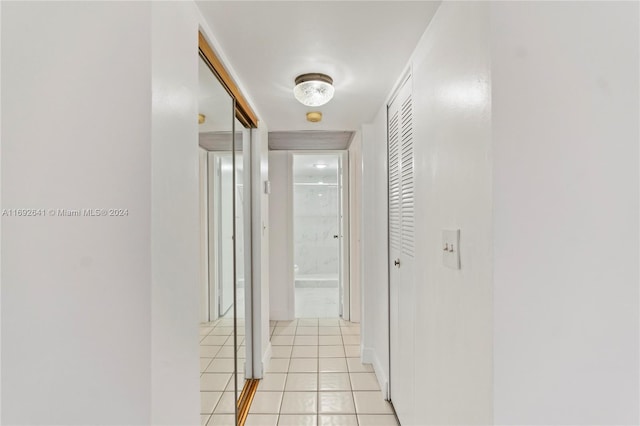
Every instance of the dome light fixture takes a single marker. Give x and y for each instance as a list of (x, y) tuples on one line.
[(313, 89)]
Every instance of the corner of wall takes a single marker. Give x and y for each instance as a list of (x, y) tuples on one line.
[(369, 356), (175, 307)]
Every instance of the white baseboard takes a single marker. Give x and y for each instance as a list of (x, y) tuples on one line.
[(369, 356), (266, 360)]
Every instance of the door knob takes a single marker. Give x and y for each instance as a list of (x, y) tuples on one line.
[(396, 263), (335, 236)]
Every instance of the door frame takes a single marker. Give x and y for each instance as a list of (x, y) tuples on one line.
[(400, 86), (213, 226), (345, 272)]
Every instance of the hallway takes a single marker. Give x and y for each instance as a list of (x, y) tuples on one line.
[(315, 378), (489, 235)]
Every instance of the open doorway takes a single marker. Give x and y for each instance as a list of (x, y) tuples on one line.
[(320, 237)]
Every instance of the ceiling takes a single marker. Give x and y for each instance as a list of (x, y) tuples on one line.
[(363, 45)]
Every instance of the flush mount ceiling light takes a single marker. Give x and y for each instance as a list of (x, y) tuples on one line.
[(313, 89), (320, 166)]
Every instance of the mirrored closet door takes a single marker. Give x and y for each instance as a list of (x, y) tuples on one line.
[(225, 245)]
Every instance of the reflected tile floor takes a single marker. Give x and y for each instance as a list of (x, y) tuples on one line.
[(315, 378), (217, 386)]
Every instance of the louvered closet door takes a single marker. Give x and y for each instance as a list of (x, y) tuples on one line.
[(401, 252)]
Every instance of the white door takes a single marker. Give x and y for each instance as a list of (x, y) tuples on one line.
[(401, 254)]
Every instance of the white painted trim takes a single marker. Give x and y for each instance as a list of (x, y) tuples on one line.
[(260, 248), (291, 304), (252, 309), (214, 252), (247, 218), (203, 172), (266, 360), (346, 234), (343, 155), (369, 356)]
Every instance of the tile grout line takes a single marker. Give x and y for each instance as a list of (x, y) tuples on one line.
[(353, 399), (286, 379)]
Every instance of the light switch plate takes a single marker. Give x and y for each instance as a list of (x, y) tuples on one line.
[(451, 248)]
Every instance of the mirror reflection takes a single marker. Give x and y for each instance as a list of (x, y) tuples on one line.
[(224, 260)]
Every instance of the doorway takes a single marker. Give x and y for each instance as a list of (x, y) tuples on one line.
[(320, 235), (224, 231)]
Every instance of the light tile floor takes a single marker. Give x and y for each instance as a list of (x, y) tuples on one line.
[(315, 378)]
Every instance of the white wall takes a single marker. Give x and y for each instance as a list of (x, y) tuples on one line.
[(100, 314), (260, 174), (76, 291), (375, 255), (281, 297), (565, 134), (175, 224), (453, 308), (355, 213), (527, 130), (0, 217), (453, 311)]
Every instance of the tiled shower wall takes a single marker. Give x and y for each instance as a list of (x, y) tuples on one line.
[(315, 224)]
